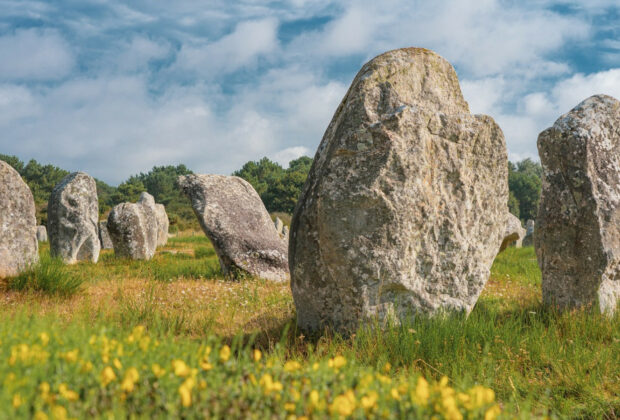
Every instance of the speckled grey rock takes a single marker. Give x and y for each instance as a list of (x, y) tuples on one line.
[(163, 224), (234, 218), (18, 226), (104, 236), (513, 233), (528, 240), (404, 208), (279, 224), (72, 218), (133, 228), (41, 234), (285, 232), (578, 225)]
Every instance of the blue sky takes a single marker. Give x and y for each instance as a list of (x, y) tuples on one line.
[(114, 88)]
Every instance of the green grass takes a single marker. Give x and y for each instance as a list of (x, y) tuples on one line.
[(539, 362), (49, 275)]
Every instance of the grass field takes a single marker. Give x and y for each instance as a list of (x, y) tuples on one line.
[(172, 338)]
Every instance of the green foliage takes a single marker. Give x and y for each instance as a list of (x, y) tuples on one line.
[(278, 188), (50, 276), (203, 252), (524, 182)]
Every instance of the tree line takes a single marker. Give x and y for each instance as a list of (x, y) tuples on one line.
[(278, 187)]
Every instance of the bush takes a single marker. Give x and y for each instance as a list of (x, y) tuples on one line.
[(49, 275)]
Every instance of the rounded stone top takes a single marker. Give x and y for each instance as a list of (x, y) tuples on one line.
[(418, 76), (589, 111)]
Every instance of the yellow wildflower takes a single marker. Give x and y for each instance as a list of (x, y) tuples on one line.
[(369, 401), (71, 356), (45, 338), (185, 391), (492, 413), (144, 343), (202, 384), (130, 379), (315, 366), (205, 365), (337, 362), (86, 367), (225, 353), (17, 400), (481, 396), (256, 355), (422, 392), (269, 385), (343, 404), (157, 370), (67, 393), (107, 376), (314, 397), (290, 407), (180, 368), (59, 412), (387, 367), (394, 393), (117, 364), (292, 366), (40, 415)]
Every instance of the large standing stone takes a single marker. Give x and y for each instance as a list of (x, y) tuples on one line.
[(578, 225), (104, 235), (234, 218), (404, 207), (72, 218), (41, 234), (513, 232), (18, 226), (163, 224), (133, 228)]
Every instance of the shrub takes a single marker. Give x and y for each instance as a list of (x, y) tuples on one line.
[(49, 275)]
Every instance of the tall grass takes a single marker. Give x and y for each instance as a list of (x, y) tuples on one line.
[(50, 276)]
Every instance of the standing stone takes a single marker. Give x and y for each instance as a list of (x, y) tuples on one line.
[(578, 225), (163, 224), (513, 233), (18, 226), (41, 234), (404, 208), (285, 232), (72, 218), (234, 218), (104, 236), (529, 233), (279, 225), (133, 228)]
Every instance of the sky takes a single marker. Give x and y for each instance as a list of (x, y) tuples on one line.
[(114, 88)]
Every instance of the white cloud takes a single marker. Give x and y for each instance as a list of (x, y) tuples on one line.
[(34, 54), (285, 156), (240, 48)]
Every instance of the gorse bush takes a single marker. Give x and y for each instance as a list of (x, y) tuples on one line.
[(105, 373), (49, 275)]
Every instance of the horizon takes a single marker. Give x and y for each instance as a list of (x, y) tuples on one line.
[(114, 90)]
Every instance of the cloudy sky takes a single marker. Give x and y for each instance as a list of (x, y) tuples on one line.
[(114, 88)]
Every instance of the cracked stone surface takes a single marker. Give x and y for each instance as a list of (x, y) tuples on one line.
[(133, 228), (578, 225), (404, 208), (18, 225)]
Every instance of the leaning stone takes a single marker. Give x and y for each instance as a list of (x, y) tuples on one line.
[(578, 225), (41, 234), (163, 224), (513, 233), (234, 218), (279, 225), (18, 226), (104, 236), (404, 208), (133, 228), (72, 218)]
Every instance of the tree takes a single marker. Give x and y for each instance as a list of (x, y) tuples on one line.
[(524, 183)]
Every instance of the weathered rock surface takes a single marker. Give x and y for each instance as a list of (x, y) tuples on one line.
[(104, 235), (41, 234), (72, 218), (163, 224), (279, 224), (513, 233), (404, 207), (133, 228), (578, 225), (18, 226), (528, 240), (234, 218)]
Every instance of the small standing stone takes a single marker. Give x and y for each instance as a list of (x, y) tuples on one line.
[(133, 228), (514, 232), (41, 234), (279, 225), (104, 235), (72, 219), (578, 225), (529, 233), (163, 224), (18, 225)]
